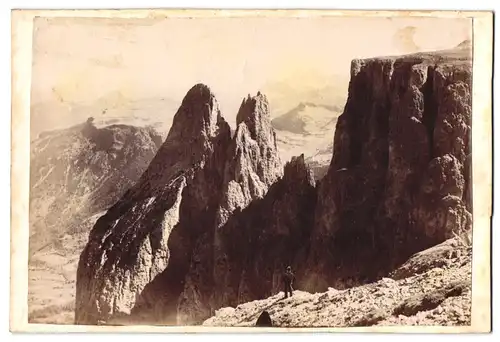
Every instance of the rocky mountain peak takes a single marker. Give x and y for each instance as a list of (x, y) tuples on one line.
[(252, 167), (197, 117), (198, 92), (297, 169), (150, 232), (253, 161), (465, 44), (158, 240), (197, 127), (255, 113)]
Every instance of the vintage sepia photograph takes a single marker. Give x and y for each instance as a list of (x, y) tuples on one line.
[(273, 171)]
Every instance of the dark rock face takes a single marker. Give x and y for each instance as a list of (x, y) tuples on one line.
[(81, 171), (397, 180), (146, 239), (266, 236)]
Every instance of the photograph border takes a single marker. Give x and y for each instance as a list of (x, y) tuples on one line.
[(22, 36)]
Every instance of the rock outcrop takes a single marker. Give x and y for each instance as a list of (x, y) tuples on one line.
[(263, 221), (144, 243), (399, 177), (253, 162)]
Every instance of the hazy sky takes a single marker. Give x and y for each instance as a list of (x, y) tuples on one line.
[(80, 60)]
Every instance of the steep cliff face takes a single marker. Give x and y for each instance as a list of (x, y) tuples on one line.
[(398, 179), (253, 164), (146, 239), (269, 234), (258, 242), (277, 229), (253, 161)]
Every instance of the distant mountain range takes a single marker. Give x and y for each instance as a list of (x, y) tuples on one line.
[(305, 117), (283, 96), (308, 118), (153, 112), (308, 128)]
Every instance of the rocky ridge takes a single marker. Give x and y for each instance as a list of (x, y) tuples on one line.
[(252, 164)]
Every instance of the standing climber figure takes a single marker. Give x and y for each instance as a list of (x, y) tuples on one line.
[(288, 278)]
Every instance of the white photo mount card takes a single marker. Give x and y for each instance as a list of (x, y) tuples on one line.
[(248, 171)]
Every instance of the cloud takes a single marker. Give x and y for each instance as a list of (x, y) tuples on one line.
[(404, 39)]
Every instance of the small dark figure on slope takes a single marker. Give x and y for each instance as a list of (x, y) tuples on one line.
[(288, 278)]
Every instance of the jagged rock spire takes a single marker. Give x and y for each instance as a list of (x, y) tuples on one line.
[(134, 247), (253, 158)]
